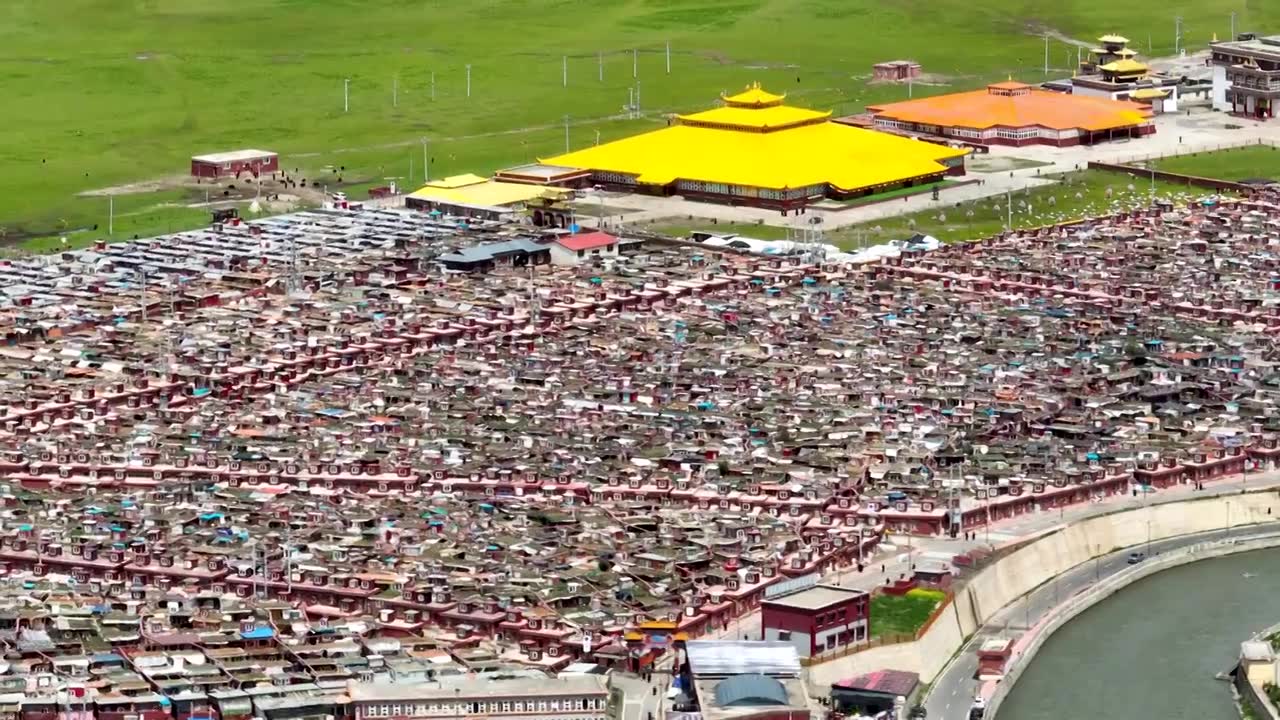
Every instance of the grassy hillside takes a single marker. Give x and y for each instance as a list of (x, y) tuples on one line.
[(105, 92)]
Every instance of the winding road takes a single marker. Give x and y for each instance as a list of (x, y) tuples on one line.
[(952, 692)]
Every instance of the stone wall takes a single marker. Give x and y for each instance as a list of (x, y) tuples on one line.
[(1190, 180), (1039, 561)]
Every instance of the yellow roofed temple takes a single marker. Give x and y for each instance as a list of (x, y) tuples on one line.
[(753, 97), (755, 149)]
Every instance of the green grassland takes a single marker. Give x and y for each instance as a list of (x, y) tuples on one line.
[(903, 614), (1247, 163), (100, 93), (1074, 196)]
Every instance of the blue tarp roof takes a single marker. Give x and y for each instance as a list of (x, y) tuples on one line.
[(258, 633)]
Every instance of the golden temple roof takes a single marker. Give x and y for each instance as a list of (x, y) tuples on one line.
[(772, 117), (753, 97), (1124, 67)]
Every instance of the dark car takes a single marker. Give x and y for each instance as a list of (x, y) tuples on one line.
[(1136, 557)]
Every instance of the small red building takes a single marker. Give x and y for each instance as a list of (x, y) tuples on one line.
[(992, 657), (817, 619), (896, 71), (232, 164)]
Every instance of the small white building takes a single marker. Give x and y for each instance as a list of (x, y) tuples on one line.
[(583, 247)]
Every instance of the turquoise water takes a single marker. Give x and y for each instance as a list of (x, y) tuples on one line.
[(1151, 650)]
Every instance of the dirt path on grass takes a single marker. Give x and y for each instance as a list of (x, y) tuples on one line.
[(168, 182)]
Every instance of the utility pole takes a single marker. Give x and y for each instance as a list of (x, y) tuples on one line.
[(1177, 34), (111, 214), (346, 87), (426, 164), (1046, 53), (631, 102), (635, 63), (395, 91), (597, 137), (637, 97), (986, 529), (468, 79), (566, 134), (142, 293), (1244, 474), (910, 88), (433, 86), (564, 71), (288, 559), (1009, 221), (668, 57), (295, 268), (1233, 26), (600, 65)]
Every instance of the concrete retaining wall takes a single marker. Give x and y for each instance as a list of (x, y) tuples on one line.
[(1039, 561), (1108, 587), (1247, 695)]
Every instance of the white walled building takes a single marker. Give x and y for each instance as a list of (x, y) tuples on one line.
[(570, 697), (583, 247), (1246, 75)]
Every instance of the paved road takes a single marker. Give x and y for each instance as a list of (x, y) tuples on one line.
[(952, 692), (639, 701), (1024, 526), (899, 552)]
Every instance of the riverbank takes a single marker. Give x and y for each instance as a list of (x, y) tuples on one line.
[(1157, 648), (1254, 672), (1037, 562), (1030, 643)]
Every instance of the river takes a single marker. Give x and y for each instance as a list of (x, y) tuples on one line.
[(1151, 650)]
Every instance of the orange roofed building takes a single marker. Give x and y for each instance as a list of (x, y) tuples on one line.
[(1014, 113)]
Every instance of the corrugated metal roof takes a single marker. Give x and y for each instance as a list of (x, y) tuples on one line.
[(480, 253), (730, 657)]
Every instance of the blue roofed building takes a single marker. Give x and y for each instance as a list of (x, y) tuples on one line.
[(483, 258), (741, 680)]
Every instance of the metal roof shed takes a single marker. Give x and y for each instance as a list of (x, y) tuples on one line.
[(711, 658)]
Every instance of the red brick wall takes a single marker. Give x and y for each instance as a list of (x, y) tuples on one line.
[(778, 618)]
